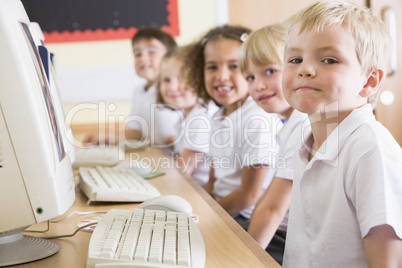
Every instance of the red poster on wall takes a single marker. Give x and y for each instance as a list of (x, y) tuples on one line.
[(90, 20)]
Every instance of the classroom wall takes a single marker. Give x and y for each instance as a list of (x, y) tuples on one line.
[(96, 78)]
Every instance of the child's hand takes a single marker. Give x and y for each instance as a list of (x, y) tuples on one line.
[(169, 140), (95, 140), (90, 140)]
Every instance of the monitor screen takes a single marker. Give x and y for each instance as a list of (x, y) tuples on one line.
[(49, 67), (42, 77)]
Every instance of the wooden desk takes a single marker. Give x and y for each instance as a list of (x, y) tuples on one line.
[(227, 244)]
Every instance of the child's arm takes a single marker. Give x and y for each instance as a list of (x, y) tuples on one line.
[(270, 210), (209, 186), (248, 192), (108, 137), (383, 247), (133, 134), (188, 160)]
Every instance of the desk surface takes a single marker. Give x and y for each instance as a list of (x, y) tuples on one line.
[(227, 244)]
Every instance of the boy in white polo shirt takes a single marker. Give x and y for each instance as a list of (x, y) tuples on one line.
[(346, 207), (149, 45)]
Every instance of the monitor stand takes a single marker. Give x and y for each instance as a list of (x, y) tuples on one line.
[(16, 248)]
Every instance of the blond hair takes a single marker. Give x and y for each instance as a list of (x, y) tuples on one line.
[(264, 46), (372, 40)]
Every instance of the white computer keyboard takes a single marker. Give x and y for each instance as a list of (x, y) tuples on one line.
[(98, 156), (146, 238), (115, 185)]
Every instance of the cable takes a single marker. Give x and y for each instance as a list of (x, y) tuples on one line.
[(79, 213), (56, 221), (69, 235), (40, 231)]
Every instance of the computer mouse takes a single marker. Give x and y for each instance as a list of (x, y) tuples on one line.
[(168, 203), (140, 167)]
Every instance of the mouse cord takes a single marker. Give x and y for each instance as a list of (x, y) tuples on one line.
[(68, 235), (40, 231), (79, 213), (56, 221)]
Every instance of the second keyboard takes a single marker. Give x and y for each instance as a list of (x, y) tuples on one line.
[(115, 185)]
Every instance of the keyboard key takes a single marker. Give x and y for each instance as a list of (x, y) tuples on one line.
[(155, 254), (169, 254)]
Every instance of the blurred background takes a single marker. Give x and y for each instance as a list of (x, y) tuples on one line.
[(93, 56)]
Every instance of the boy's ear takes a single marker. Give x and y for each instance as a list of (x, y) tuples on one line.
[(372, 84)]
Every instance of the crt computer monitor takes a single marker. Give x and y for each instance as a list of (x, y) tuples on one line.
[(36, 179)]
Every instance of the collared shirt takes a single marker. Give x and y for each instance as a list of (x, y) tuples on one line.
[(290, 139), (155, 121), (141, 107), (195, 136), (246, 137), (351, 185)]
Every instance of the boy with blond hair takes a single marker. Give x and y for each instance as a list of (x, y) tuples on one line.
[(261, 62), (346, 207)]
